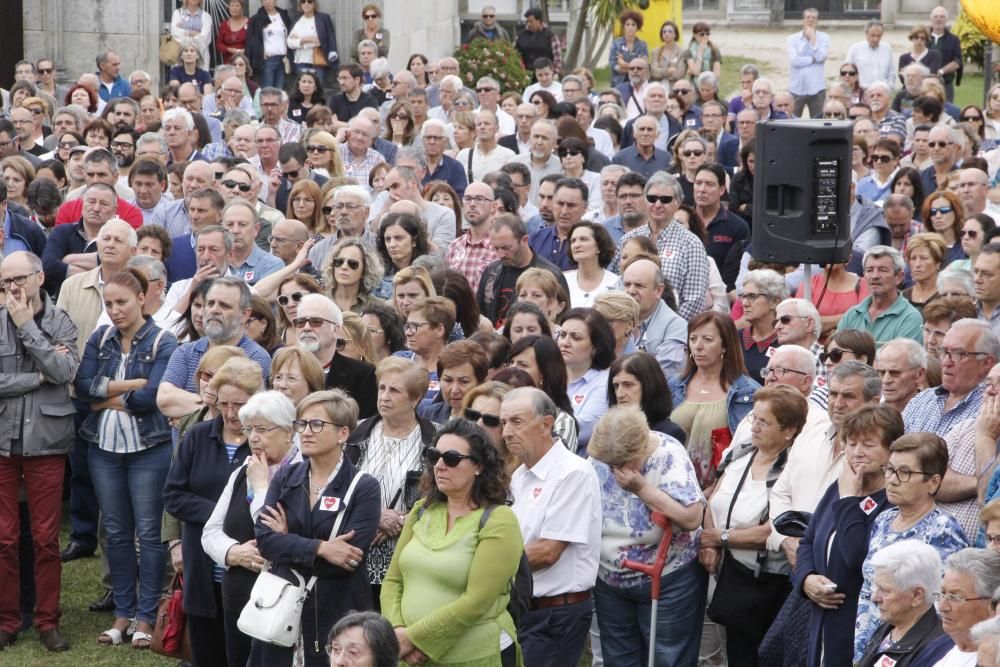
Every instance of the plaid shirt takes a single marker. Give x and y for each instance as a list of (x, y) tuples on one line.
[(290, 131), (962, 460), (360, 170), (470, 257), (684, 263), (925, 411)]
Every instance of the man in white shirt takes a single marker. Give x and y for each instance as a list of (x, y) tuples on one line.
[(545, 80), (807, 50), (488, 92), (485, 155), (557, 500), (873, 57)]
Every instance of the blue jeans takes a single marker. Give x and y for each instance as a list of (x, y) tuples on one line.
[(623, 615), (272, 74), (83, 510), (555, 636), (130, 490)]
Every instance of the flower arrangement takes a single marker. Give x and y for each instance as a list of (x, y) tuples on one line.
[(498, 59)]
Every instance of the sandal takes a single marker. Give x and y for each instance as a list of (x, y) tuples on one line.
[(111, 637), (141, 640)]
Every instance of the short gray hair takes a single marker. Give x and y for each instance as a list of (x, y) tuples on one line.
[(983, 565), (237, 116), (367, 44), (179, 113), (708, 78), (752, 70), (489, 81), (667, 180), (150, 266), (151, 138), (379, 68), (355, 191), (853, 368), (960, 276), (227, 236), (619, 169), (916, 355), (881, 85), (769, 282), (238, 283), (271, 406), (879, 251), (414, 152), (805, 308), (541, 404), (988, 341), (803, 359), (335, 313), (433, 122), (916, 68), (911, 564), (76, 112)]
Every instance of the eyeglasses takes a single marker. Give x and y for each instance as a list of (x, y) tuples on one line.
[(317, 148), (652, 199), (412, 327), (369, 17), (637, 68), (478, 199), (291, 174), (17, 280), (66, 145), (958, 356), (570, 152), (433, 137), (294, 297), (894, 373), (352, 263), (488, 16), (682, 91), (485, 90), (46, 70), (971, 233), (493, 421), (778, 372), (263, 430), (848, 72), (992, 539), (952, 598), (693, 153), (834, 355), (902, 474), (243, 187), (939, 144), (314, 425), (833, 114), (229, 407), (972, 119), (749, 296), (313, 322), (451, 457), (882, 158), (122, 144), (944, 210), (342, 207)]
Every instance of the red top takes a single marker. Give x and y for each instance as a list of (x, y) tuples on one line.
[(72, 211), (228, 39)]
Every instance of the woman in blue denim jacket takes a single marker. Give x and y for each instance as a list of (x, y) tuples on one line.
[(130, 457), (713, 392)]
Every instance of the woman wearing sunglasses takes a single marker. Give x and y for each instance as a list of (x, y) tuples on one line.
[(920, 39), (401, 128), (849, 77), (448, 585), (228, 537), (944, 213), (573, 155), (481, 406), (848, 345), (351, 274), (290, 292), (702, 55), (294, 530), (690, 150), (323, 156), (390, 447), (205, 459), (912, 478), (974, 233), (637, 379)]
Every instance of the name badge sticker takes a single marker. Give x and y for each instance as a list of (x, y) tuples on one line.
[(329, 503)]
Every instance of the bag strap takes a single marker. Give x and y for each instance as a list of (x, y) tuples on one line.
[(468, 171), (340, 518), (739, 486)]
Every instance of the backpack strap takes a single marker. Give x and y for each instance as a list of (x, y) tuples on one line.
[(468, 171), (108, 332), (486, 515), (156, 342)]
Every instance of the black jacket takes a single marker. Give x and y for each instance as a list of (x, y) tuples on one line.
[(28, 232), (906, 650), (356, 450), (255, 35), (357, 378), (197, 477), (493, 305), (509, 141), (337, 591)]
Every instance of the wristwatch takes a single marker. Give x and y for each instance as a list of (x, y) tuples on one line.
[(724, 538)]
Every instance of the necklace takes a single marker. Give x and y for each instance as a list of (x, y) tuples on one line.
[(312, 487)]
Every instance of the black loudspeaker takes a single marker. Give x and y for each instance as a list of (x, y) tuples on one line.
[(802, 190)]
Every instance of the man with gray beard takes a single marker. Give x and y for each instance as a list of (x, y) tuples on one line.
[(227, 308), (317, 323)]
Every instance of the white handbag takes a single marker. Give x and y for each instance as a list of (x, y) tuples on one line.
[(273, 614)]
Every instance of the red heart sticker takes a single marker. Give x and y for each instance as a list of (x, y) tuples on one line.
[(329, 503), (537, 492), (578, 398), (868, 505)]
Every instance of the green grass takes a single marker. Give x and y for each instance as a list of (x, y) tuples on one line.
[(81, 585), (971, 91)]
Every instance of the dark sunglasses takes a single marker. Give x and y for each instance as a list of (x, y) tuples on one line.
[(451, 457), (938, 144), (944, 210), (847, 72), (784, 319), (972, 119), (694, 153), (371, 16), (703, 32), (401, 116), (485, 90), (327, 210), (340, 261), (569, 152), (833, 114), (493, 421), (46, 70), (663, 199), (291, 174), (682, 91), (833, 355), (294, 297), (882, 158), (317, 148), (243, 187), (971, 233)]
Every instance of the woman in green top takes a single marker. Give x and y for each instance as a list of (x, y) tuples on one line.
[(448, 585)]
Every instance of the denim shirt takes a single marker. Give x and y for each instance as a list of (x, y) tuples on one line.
[(739, 399), (100, 364)]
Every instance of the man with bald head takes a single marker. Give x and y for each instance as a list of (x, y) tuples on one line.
[(902, 365), (357, 154), (472, 252), (441, 167), (287, 238), (318, 323), (520, 141), (643, 157), (661, 331), (485, 156)]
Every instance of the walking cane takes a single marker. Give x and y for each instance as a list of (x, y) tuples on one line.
[(655, 571)]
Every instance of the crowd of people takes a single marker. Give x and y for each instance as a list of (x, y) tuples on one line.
[(461, 356)]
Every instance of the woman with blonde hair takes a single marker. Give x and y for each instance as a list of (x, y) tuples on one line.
[(944, 213), (296, 373), (409, 286), (622, 313), (323, 155), (924, 255), (305, 204), (481, 405), (17, 175), (464, 132), (541, 288), (190, 67), (351, 273), (355, 339)]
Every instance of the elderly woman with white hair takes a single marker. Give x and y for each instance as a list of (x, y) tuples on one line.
[(228, 537), (956, 283), (763, 290), (640, 472), (907, 579), (970, 578)]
